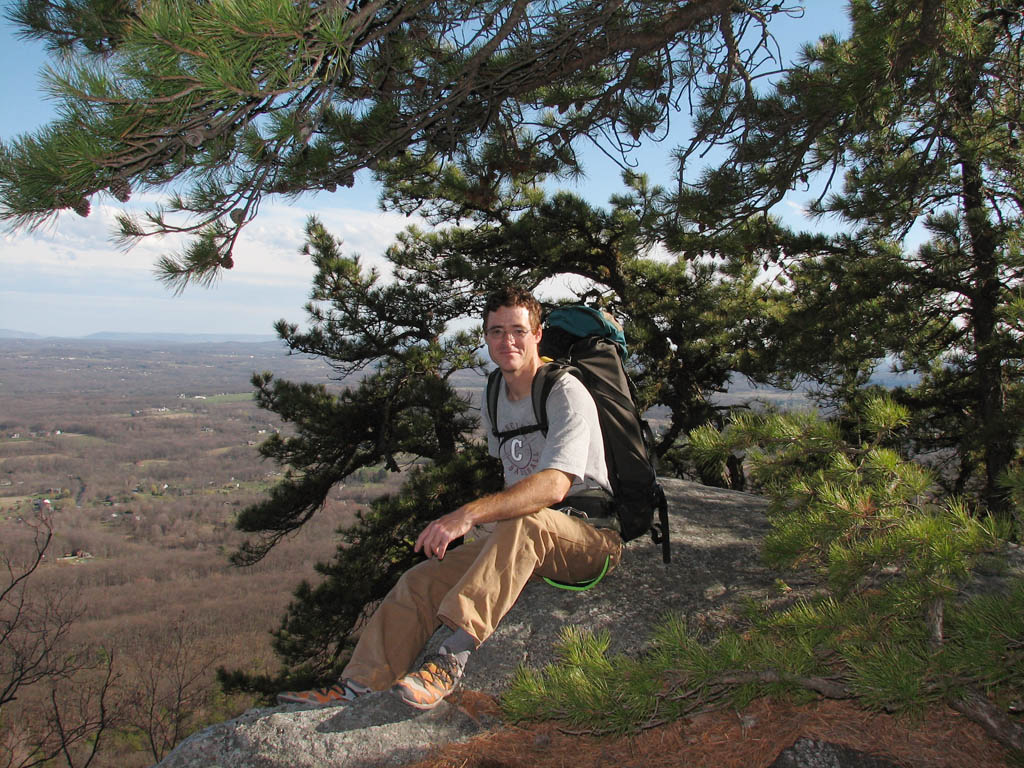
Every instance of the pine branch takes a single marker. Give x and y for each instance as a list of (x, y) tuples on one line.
[(332, 90), (977, 707), (827, 687), (714, 688)]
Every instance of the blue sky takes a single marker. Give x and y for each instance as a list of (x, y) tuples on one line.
[(67, 279)]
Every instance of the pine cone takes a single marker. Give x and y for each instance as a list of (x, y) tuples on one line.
[(82, 207), (120, 189)]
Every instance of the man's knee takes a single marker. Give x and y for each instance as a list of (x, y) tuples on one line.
[(415, 583), (525, 525), (526, 532)]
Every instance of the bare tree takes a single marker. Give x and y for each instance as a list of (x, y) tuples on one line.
[(63, 694), (171, 682)]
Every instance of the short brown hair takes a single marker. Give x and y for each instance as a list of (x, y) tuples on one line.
[(514, 296)]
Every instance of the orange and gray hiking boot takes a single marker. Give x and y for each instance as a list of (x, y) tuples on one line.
[(340, 693), (426, 687)]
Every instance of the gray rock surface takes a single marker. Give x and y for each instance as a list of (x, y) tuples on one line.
[(715, 569), (378, 730), (809, 753)]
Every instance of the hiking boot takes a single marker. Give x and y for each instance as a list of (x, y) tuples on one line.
[(426, 687), (340, 693)]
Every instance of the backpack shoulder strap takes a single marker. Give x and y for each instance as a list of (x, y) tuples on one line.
[(540, 389), (491, 392), (542, 385)]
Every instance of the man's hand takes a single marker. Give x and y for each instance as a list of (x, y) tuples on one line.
[(435, 538), (533, 492)]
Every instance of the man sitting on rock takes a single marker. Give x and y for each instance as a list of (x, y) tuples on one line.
[(471, 587)]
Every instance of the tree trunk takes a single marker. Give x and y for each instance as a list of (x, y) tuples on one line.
[(995, 431)]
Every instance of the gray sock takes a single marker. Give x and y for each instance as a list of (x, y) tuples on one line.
[(357, 688), (459, 644)]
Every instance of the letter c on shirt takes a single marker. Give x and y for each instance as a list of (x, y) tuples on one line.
[(515, 450)]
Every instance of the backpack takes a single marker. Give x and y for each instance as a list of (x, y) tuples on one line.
[(588, 344)]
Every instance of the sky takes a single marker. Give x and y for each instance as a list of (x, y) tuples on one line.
[(68, 279)]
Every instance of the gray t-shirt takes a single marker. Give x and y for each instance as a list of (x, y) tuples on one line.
[(573, 444)]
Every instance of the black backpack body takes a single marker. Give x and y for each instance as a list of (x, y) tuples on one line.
[(587, 344)]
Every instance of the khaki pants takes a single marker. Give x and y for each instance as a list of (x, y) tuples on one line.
[(474, 586)]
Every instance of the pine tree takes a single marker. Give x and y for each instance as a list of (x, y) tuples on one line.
[(918, 114), (225, 103)]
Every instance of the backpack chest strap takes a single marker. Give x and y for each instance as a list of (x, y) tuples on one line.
[(507, 435)]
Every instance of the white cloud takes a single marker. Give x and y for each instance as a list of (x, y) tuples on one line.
[(70, 242), (269, 247), (795, 207), (68, 278)]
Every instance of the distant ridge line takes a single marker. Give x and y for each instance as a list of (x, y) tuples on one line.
[(180, 338)]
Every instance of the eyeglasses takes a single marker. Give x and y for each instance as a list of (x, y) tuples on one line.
[(497, 333)]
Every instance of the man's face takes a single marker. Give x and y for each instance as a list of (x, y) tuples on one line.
[(511, 342)]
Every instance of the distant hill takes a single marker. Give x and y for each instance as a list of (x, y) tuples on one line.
[(184, 338), (172, 338)]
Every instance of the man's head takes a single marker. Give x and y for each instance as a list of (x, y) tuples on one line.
[(512, 330), (514, 296)]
